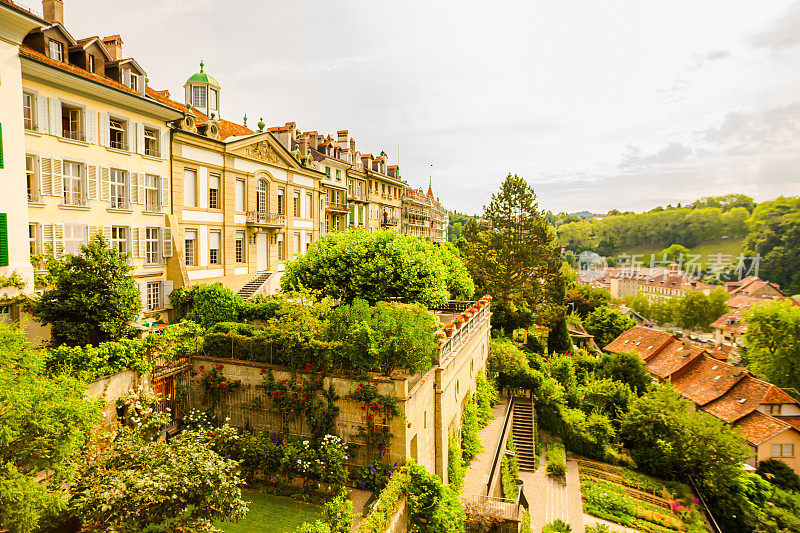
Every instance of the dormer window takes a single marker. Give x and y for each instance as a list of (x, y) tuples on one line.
[(199, 96), (212, 98), (90, 62), (135, 83), (56, 50)]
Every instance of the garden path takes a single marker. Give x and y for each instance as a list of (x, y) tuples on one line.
[(552, 499), (477, 474), (359, 498)]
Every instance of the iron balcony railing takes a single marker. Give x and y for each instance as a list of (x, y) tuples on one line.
[(266, 219), (390, 221), (75, 135)]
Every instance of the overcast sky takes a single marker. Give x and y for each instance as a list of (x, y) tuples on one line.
[(599, 105)]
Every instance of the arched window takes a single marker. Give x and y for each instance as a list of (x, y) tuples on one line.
[(261, 196)]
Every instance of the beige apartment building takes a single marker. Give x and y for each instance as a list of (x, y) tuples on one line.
[(96, 153), (424, 215), (243, 203)]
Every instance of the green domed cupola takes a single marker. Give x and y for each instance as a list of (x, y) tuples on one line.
[(202, 92)]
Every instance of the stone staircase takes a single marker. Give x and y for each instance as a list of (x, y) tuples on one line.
[(522, 429), (253, 285)]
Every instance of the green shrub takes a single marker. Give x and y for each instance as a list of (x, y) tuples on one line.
[(455, 463), (470, 436), (526, 526), (486, 396), (338, 513), (779, 473), (93, 362), (557, 526), (556, 459), (507, 480)]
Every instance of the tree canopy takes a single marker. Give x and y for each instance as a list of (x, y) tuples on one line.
[(772, 342), (44, 421), (380, 266), (775, 235), (90, 296), (607, 323)]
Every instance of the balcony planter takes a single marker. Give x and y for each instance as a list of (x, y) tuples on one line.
[(440, 336), (449, 329), (458, 321)]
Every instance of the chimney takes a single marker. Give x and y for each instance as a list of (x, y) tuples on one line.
[(53, 11), (114, 45), (353, 147), (313, 140), (303, 145), (292, 130), (341, 138)]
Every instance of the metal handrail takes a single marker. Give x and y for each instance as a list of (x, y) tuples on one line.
[(501, 446)]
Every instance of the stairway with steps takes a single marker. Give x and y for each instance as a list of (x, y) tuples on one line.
[(522, 429), (253, 285)]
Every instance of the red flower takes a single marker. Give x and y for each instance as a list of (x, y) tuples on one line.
[(409, 424), (363, 407), (263, 370), (369, 417), (308, 368), (375, 384), (202, 367), (219, 367)]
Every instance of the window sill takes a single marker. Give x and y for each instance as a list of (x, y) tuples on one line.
[(118, 151), (72, 141), (154, 265), (35, 133), (154, 213), (74, 207), (153, 158), (118, 210), (36, 204)]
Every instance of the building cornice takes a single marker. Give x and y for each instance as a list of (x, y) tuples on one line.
[(15, 24)]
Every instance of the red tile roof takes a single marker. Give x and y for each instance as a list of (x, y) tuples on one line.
[(26, 51), (673, 357), (706, 379), (732, 321), (776, 395), (641, 340), (792, 420), (758, 427), (741, 400)]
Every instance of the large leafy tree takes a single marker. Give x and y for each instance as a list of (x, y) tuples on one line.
[(772, 342), (607, 323), (696, 310), (90, 296), (775, 235), (44, 421), (584, 299), (380, 266)]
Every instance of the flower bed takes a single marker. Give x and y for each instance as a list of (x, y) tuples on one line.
[(609, 501)]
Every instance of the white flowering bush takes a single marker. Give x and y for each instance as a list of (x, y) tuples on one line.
[(197, 420), (141, 414)]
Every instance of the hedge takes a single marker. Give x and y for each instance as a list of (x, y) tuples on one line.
[(398, 487), (556, 459)]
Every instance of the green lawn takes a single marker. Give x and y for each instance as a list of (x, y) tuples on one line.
[(731, 247), (272, 514)]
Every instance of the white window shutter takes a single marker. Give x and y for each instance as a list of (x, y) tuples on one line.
[(90, 118), (140, 85), (130, 136), (163, 147), (58, 240), (47, 238), (126, 77), (143, 242), (93, 230), (135, 188), (168, 286), (128, 187), (143, 294), (104, 183), (129, 243), (166, 241), (43, 113), (139, 138), (105, 133), (91, 172), (107, 233), (134, 248), (55, 117), (57, 179), (46, 172), (164, 190), (142, 198)]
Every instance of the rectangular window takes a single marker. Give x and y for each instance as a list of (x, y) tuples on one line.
[(73, 183), (338, 174), (297, 243), (56, 50), (280, 201), (153, 295), (240, 247), (134, 82), (72, 122), (116, 128), (296, 203), (151, 142), (118, 189), (328, 171), (152, 193), (119, 239), (212, 97), (308, 241), (774, 409), (309, 205), (30, 176), (240, 195), (29, 111), (213, 192), (213, 248), (199, 96), (190, 245), (33, 238), (783, 450), (189, 188), (90, 62), (75, 236), (281, 253), (152, 248)]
